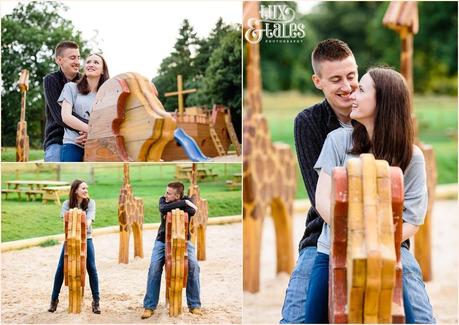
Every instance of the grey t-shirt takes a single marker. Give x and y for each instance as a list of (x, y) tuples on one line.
[(81, 105), (335, 153), (90, 214)]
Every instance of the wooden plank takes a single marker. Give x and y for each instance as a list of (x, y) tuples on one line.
[(386, 236)]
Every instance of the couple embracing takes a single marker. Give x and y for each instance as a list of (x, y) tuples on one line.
[(370, 116), (69, 97)]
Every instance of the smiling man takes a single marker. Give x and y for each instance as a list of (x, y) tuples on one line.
[(67, 57), (336, 75)]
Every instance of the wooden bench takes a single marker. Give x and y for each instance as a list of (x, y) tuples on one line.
[(365, 278), (31, 194), (54, 193)]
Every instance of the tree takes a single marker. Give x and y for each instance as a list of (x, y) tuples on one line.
[(222, 82), (29, 36), (212, 65), (180, 61)]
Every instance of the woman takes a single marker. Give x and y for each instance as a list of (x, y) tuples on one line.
[(383, 127), (77, 99), (78, 198)]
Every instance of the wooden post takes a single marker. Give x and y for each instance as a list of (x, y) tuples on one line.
[(180, 92), (22, 139)]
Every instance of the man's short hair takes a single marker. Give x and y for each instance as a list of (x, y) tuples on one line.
[(62, 46), (178, 186), (329, 50)]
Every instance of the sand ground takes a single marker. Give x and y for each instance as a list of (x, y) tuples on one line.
[(27, 279), (265, 306)]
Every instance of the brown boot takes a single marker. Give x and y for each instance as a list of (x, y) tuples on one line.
[(53, 305), (95, 307), (147, 313), (196, 311)]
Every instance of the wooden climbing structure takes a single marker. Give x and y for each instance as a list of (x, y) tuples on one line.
[(212, 130), (198, 224), (22, 139), (365, 278), (269, 174), (176, 259), (130, 218), (403, 18), (75, 257), (128, 122)]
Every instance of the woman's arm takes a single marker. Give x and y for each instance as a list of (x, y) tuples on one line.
[(323, 194), (71, 120), (408, 230)]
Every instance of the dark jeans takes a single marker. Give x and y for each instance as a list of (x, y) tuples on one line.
[(317, 299), (71, 152), (90, 266)]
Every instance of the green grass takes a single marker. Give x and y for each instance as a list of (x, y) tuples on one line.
[(436, 117), (9, 154), (22, 219)]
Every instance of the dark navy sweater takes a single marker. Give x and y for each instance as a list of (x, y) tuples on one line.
[(53, 84), (165, 207)]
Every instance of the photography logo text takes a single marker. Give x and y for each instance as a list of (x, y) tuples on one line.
[(278, 24)]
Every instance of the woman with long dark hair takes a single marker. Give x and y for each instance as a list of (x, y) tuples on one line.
[(382, 125), (79, 198), (78, 99)]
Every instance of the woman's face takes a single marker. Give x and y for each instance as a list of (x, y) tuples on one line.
[(94, 66), (82, 191), (364, 105)]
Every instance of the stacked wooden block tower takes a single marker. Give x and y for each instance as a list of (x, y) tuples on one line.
[(176, 259), (365, 269), (75, 257)]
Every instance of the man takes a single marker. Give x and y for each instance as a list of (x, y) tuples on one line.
[(67, 57), (336, 75), (173, 199)]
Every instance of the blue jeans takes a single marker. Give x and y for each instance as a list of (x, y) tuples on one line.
[(155, 271), (293, 311), (90, 266), (53, 153), (414, 293), (414, 290), (71, 152)]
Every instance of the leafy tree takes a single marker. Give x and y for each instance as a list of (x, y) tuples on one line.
[(212, 65), (29, 36), (180, 61), (222, 82)]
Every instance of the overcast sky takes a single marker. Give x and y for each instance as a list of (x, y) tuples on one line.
[(137, 35)]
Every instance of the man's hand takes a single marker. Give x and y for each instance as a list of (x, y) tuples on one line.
[(190, 204), (81, 140)]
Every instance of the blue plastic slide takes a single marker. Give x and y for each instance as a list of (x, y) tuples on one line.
[(189, 145)]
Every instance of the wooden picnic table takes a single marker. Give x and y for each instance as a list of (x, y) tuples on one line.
[(184, 172), (235, 183), (47, 189)]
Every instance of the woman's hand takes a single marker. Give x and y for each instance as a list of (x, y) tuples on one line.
[(70, 120), (323, 194)]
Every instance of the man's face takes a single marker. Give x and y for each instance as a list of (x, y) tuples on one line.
[(337, 80), (69, 61), (171, 194)]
